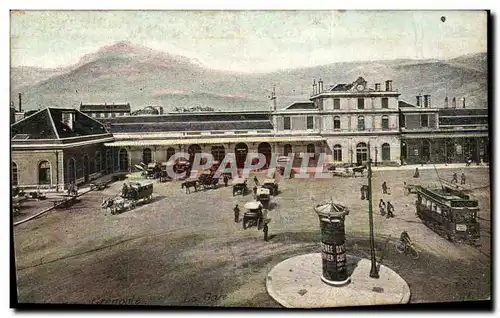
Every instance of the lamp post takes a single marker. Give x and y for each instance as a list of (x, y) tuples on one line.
[(373, 270)]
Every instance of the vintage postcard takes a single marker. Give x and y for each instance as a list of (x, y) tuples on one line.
[(284, 159)]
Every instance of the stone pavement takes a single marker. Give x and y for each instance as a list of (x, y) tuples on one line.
[(296, 283)]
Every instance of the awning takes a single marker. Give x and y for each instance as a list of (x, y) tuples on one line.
[(172, 142)]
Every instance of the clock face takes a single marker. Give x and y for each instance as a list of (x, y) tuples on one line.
[(360, 87)]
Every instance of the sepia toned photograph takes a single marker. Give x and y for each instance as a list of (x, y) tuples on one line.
[(250, 158)]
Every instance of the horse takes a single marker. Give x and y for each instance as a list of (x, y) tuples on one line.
[(359, 169), (190, 184)]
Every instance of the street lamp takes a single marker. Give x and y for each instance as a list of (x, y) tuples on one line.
[(373, 270)]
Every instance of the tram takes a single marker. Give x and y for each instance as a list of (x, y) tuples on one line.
[(449, 212)]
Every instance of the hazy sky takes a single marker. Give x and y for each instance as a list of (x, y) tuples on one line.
[(249, 40)]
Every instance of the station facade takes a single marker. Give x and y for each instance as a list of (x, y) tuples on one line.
[(57, 146)]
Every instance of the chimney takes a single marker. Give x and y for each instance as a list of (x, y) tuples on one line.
[(419, 101), (446, 102), (454, 103), (427, 101), (314, 86), (320, 85), (388, 86), (273, 97), (377, 87), (20, 103), (463, 102)]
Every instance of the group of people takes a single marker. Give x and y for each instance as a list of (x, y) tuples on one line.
[(265, 227), (455, 178), (386, 210), (72, 189)]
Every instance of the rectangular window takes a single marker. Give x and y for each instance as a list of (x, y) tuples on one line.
[(402, 120), (361, 103), (336, 103), (336, 122), (310, 122), (286, 123), (385, 102), (424, 120)]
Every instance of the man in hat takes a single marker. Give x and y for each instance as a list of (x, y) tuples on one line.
[(455, 178), (265, 230), (381, 206), (362, 190), (462, 178), (384, 187), (256, 181), (416, 174), (236, 214), (226, 180), (390, 210)]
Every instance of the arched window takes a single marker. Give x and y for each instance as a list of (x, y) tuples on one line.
[(311, 148), (146, 156), (44, 172), (109, 161), (385, 122), (71, 170), (386, 152), (361, 153), (337, 153), (123, 160), (287, 149), (218, 152), (15, 181), (336, 122), (170, 153), (361, 123), (98, 161)]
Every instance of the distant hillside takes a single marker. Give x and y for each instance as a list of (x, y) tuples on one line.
[(129, 73)]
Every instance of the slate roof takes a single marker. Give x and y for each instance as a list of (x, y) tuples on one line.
[(405, 104), (463, 112), (301, 105), (105, 107), (190, 126), (47, 124), (188, 117)]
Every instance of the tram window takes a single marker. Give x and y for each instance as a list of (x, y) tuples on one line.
[(438, 209), (424, 201)]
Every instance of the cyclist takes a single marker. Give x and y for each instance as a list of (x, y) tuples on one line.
[(405, 239)]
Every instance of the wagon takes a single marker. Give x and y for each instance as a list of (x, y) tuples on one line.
[(240, 186), (253, 216), (138, 191), (98, 186), (271, 185), (263, 196)]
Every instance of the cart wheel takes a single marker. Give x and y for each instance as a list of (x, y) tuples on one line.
[(400, 247), (413, 252)]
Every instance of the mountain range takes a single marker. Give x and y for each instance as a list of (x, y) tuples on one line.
[(124, 72)]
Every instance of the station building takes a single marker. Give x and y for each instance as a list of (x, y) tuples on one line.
[(56, 146)]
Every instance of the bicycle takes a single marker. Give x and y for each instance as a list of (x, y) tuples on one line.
[(407, 248)]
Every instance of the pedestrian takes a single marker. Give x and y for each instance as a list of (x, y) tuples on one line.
[(455, 178), (265, 230), (254, 191), (384, 187), (381, 206), (362, 190), (390, 210), (416, 174), (226, 180), (405, 189), (236, 214), (255, 180), (462, 178)]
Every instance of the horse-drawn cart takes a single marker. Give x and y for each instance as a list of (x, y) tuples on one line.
[(271, 185), (263, 195), (99, 186), (254, 215), (132, 194), (240, 186)]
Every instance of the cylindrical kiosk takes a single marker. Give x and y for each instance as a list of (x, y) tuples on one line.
[(333, 252)]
